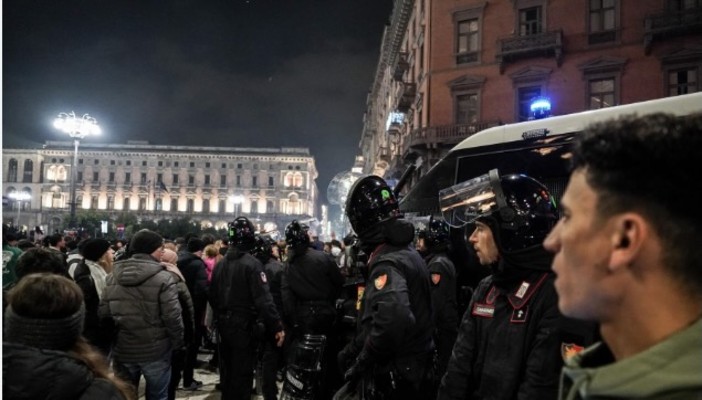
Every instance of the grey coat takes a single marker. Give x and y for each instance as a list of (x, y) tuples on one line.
[(141, 298)]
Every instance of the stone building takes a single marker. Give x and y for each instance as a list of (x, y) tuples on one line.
[(211, 185)]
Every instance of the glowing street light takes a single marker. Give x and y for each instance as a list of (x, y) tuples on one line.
[(19, 197), (78, 128), (237, 199)]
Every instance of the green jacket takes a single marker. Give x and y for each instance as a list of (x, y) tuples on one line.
[(9, 262), (672, 369)]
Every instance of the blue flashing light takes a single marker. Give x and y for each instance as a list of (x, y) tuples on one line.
[(540, 108)]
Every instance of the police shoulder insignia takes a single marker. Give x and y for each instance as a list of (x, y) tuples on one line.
[(568, 350), (435, 278), (380, 281), (263, 277)]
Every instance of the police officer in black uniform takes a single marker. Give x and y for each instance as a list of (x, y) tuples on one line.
[(433, 241), (311, 284), (239, 295), (510, 339), (392, 355), (272, 354)]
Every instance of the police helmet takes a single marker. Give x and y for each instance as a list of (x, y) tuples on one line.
[(370, 201), (242, 233), (519, 209), (435, 233), (262, 248), (296, 234)]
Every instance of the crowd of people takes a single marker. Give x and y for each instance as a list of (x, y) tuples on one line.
[(598, 297)]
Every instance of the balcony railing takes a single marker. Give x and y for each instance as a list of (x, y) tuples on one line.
[(444, 135), (405, 96), (401, 65), (528, 46), (671, 24)]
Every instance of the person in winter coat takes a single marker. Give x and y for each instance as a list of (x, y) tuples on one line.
[(91, 275), (141, 297), (44, 354), (510, 339)]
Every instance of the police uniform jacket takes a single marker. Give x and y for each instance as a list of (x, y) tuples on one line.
[(443, 291), (239, 291)]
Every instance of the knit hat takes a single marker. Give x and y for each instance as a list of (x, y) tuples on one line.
[(195, 245), (145, 242), (44, 333), (93, 249)]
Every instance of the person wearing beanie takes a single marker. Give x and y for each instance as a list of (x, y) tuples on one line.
[(192, 266), (10, 255), (141, 299), (90, 275), (44, 354), (169, 258)]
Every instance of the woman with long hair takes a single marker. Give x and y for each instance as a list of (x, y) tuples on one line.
[(44, 354)]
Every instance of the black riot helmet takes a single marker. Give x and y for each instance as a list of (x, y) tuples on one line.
[(296, 234), (262, 248), (370, 201), (519, 210), (242, 233), (437, 232)]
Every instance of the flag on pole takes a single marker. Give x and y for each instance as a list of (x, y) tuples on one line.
[(162, 186)]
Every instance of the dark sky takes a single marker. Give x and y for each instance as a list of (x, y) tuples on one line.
[(263, 73)]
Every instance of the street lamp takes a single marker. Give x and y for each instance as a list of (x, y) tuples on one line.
[(237, 199), (19, 197), (78, 128)]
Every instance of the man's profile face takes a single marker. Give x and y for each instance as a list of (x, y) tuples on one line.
[(580, 243), (420, 245), (484, 244)]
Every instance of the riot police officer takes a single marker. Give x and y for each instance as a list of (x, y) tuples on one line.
[(392, 355), (434, 242), (509, 342), (310, 286), (239, 295)]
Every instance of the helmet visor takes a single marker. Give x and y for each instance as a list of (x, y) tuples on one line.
[(467, 201)]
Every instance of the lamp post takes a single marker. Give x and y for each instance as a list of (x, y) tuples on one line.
[(19, 197), (237, 199), (78, 128)]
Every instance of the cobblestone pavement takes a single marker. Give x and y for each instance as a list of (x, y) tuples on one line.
[(208, 378)]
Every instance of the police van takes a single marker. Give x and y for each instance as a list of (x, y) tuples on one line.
[(538, 148)]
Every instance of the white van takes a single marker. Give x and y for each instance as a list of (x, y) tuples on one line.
[(538, 148)]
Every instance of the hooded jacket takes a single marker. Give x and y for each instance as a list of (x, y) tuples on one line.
[(142, 299), (32, 373), (672, 369)]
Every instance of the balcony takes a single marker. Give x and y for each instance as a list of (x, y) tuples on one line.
[(401, 66), (405, 96), (383, 153), (441, 136), (548, 44), (671, 24)]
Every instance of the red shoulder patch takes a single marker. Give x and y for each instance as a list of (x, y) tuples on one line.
[(380, 281), (435, 278), (263, 277)]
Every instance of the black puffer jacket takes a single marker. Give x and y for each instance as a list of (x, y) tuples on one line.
[(142, 298), (31, 373)]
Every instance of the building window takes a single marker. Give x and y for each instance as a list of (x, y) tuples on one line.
[(207, 180), (205, 205), (12, 171), (142, 204), (467, 41), (143, 163), (191, 180), (467, 108), (254, 181), (112, 162), (96, 162), (269, 206), (128, 177), (222, 206), (79, 178), (190, 206), (160, 163), (683, 81), (159, 205), (175, 179), (174, 205), (110, 202), (601, 93), (224, 165), (28, 171), (192, 164), (94, 202), (530, 21), (524, 97), (111, 177), (238, 180), (254, 206), (175, 163), (255, 166), (142, 180), (159, 178), (129, 162), (239, 166), (603, 21), (126, 205), (96, 176), (270, 181), (207, 165), (222, 180), (80, 161)]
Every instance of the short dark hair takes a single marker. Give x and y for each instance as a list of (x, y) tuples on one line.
[(649, 165), (40, 259), (55, 239)]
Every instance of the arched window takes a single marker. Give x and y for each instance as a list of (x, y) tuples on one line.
[(174, 205), (126, 204), (142, 203), (269, 206), (12, 171), (51, 173), (61, 173), (110, 202), (222, 206), (288, 180), (28, 171), (254, 206), (205, 205), (293, 204), (79, 201), (190, 206), (297, 180), (94, 203), (159, 204)]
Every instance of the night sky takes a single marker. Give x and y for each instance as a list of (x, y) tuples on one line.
[(263, 73)]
